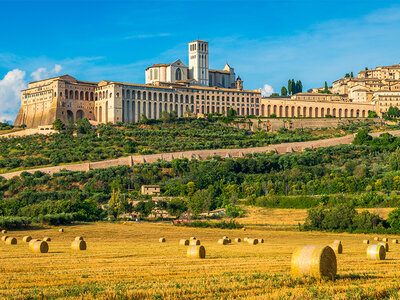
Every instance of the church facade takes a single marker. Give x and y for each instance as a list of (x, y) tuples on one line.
[(172, 87)]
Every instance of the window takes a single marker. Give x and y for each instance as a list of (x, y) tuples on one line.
[(178, 74)]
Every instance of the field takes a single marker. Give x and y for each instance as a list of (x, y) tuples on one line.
[(127, 261)]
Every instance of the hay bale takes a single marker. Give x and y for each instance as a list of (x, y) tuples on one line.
[(394, 241), (337, 242), (61, 230), (314, 261), (47, 239), (78, 245), (192, 238), (225, 237), (245, 239), (252, 241), (376, 238), (222, 242), (11, 241), (4, 231), (27, 239), (4, 237), (238, 240), (261, 241), (194, 242), (32, 242), (337, 248), (229, 241), (196, 252), (376, 252), (366, 241), (244, 228), (79, 238), (40, 247), (386, 245), (385, 240), (162, 240), (184, 242)]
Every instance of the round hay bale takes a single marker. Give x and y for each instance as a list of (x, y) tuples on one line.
[(238, 240), (162, 240), (11, 241), (4, 231), (79, 238), (196, 252), (376, 252), (78, 245), (314, 261), (366, 241), (194, 242), (4, 237), (184, 242), (47, 239), (222, 242), (40, 247), (245, 239), (244, 228), (31, 242), (261, 241), (395, 241), (385, 240), (337, 248), (252, 241), (229, 241), (27, 239), (376, 238), (225, 237), (192, 238), (61, 230), (386, 245)]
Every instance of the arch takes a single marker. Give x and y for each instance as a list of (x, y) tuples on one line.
[(138, 114), (322, 112), (144, 95), (316, 112), (340, 112), (274, 109), (178, 74), (70, 116), (328, 111), (86, 95), (133, 111), (286, 111), (81, 95), (155, 110), (106, 112), (310, 112), (363, 113), (128, 94), (165, 106), (334, 112), (91, 96), (242, 111), (345, 113), (155, 96), (298, 111), (186, 99), (144, 109), (66, 94), (357, 113), (176, 98), (71, 94), (139, 95), (292, 111), (123, 111), (149, 98), (181, 97), (192, 99), (280, 111), (170, 108), (100, 114), (95, 96), (351, 113), (159, 110), (177, 109), (170, 97), (304, 112), (150, 111), (128, 111), (76, 95), (192, 108), (133, 95)]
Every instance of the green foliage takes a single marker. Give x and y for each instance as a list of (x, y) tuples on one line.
[(232, 224), (83, 126), (58, 125), (372, 114), (284, 91), (5, 126), (394, 160), (394, 219), (362, 137)]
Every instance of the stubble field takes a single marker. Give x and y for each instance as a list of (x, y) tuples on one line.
[(127, 261)]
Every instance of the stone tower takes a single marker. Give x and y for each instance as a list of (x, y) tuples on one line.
[(198, 62)]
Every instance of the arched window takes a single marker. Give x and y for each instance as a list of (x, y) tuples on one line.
[(178, 74), (66, 94), (71, 95), (76, 95)]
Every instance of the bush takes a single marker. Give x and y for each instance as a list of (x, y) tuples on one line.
[(232, 224)]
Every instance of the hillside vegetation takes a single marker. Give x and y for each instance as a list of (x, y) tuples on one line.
[(113, 141)]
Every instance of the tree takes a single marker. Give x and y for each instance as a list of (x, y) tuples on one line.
[(118, 204), (71, 127), (144, 208), (362, 137), (176, 207), (22, 126), (351, 75), (347, 75), (144, 119), (274, 95), (83, 126), (284, 91), (372, 114), (231, 112), (394, 160), (58, 125), (326, 87), (299, 86), (165, 116), (290, 90), (294, 88), (394, 219), (366, 68), (200, 201), (129, 146)]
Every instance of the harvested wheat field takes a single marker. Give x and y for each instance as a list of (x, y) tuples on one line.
[(127, 261)]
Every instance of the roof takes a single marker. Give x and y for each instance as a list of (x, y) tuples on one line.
[(198, 41), (166, 65), (150, 185), (218, 71), (60, 76)]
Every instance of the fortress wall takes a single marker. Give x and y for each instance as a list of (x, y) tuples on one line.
[(200, 154)]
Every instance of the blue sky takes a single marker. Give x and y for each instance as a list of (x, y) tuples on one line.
[(267, 42)]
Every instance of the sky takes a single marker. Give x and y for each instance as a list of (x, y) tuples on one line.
[(267, 42)]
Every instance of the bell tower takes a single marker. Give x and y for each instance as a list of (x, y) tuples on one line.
[(198, 62)]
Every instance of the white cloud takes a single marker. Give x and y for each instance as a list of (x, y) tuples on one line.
[(267, 90), (10, 94), (42, 73)]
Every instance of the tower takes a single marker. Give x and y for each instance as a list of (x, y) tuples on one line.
[(198, 62)]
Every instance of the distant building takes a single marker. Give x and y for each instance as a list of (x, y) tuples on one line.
[(150, 190)]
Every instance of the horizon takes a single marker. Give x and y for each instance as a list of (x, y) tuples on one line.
[(117, 41)]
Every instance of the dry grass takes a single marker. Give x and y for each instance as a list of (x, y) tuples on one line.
[(127, 261)]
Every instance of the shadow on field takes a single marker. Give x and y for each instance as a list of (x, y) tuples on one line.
[(357, 276), (56, 227)]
